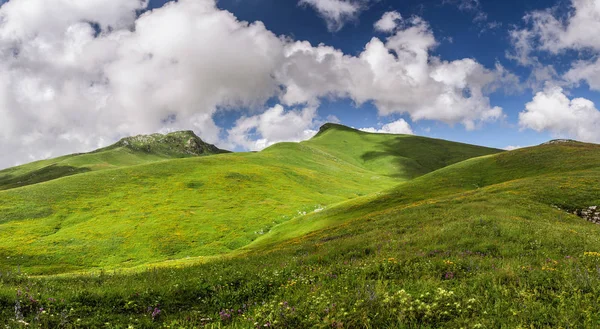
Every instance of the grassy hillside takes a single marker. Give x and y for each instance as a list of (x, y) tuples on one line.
[(561, 176), (478, 244), (127, 152), (204, 206), (401, 156)]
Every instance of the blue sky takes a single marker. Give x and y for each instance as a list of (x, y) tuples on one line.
[(460, 37), (247, 74)]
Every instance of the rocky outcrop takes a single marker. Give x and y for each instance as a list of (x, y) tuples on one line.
[(560, 141), (591, 214), (180, 143)]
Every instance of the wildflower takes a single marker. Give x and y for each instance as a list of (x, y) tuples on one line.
[(155, 313), (225, 315)]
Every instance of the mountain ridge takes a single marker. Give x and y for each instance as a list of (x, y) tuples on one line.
[(128, 151), (208, 205)]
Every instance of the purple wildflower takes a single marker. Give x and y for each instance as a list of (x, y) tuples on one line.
[(225, 315), (155, 313)]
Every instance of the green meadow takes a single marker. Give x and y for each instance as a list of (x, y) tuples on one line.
[(346, 230)]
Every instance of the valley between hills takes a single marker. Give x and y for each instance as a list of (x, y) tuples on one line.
[(346, 230)]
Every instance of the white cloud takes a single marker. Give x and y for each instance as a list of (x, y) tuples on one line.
[(588, 71), (335, 12), (512, 148), (523, 44), (554, 31), (66, 88), (69, 86), (551, 110), (452, 92), (388, 22), (273, 126), (396, 127)]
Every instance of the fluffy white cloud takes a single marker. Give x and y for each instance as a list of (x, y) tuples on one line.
[(273, 126), (396, 127), (93, 71), (335, 12), (551, 110), (554, 32), (398, 76), (27, 18), (66, 87), (388, 22), (512, 148), (588, 71)]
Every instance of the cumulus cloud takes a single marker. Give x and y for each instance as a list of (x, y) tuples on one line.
[(452, 92), (65, 86), (273, 126), (396, 127), (551, 110), (588, 71), (335, 12), (388, 22), (75, 76), (512, 148), (555, 31)]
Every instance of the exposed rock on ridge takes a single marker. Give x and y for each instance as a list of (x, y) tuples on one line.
[(591, 214), (184, 143)]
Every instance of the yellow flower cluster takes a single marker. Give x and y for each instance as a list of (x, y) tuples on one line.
[(447, 262), (591, 254), (548, 268)]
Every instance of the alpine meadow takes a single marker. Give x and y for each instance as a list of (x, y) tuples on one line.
[(299, 164), (347, 229)]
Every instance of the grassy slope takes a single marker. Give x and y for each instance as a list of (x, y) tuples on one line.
[(560, 175), (402, 156), (198, 206), (115, 156), (476, 245)]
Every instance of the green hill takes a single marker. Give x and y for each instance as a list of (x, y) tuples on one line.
[(562, 176), (487, 242), (200, 206), (127, 152), (401, 156)]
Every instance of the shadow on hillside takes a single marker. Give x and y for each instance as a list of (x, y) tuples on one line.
[(414, 156), (38, 176)]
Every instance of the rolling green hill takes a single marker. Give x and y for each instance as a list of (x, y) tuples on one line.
[(127, 152), (422, 234), (201, 206)]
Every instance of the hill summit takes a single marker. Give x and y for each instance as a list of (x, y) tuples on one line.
[(129, 151), (176, 143), (330, 125)]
